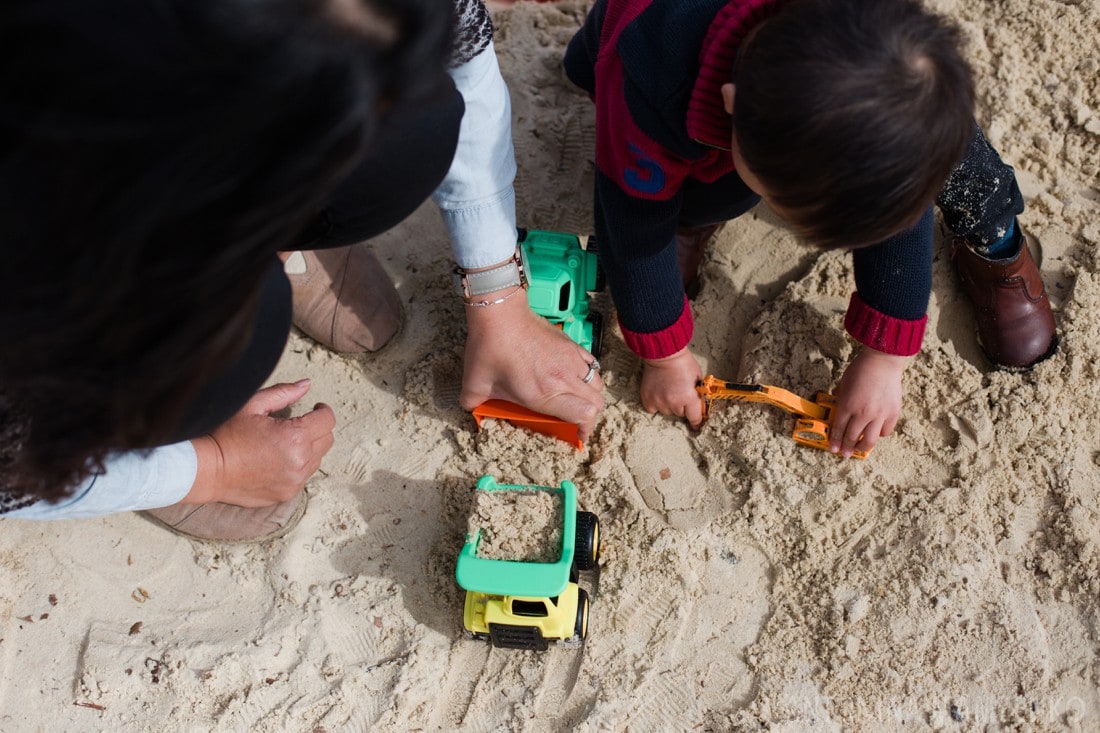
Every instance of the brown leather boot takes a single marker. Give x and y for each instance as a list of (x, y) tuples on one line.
[(691, 243), (343, 298), (1015, 324)]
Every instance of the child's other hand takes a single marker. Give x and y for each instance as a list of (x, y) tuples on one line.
[(668, 387), (868, 401)]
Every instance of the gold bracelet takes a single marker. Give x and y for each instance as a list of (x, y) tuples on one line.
[(487, 303)]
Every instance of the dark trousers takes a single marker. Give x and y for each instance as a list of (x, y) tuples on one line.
[(981, 198), (407, 161), (714, 203)]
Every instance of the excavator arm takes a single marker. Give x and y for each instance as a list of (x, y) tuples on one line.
[(711, 388), (814, 417)]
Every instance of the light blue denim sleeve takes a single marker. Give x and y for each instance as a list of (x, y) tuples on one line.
[(476, 198), (131, 482)]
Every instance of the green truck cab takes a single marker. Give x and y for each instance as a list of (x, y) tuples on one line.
[(524, 605), (560, 276)]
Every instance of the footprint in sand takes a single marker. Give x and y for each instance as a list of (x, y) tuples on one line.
[(666, 473)]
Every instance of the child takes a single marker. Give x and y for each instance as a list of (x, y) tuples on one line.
[(846, 117)]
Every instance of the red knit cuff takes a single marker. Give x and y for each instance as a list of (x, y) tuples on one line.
[(884, 333), (659, 344)]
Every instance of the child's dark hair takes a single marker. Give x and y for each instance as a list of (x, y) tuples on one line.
[(852, 113), (155, 155)]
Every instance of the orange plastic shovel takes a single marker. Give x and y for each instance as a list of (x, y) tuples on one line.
[(521, 417)]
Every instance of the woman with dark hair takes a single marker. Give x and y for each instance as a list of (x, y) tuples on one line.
[(155, 159), (181, 179)]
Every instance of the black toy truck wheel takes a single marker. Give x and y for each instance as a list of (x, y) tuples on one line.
[(596, 319), (593, 246), (587, 553), (580, 628)]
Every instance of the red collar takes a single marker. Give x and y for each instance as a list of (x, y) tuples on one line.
[(707, 120)]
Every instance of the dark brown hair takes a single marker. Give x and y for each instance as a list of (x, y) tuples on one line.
[(852, 113), (153, 158)]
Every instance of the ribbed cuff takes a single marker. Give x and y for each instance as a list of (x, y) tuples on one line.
[(666, 342), (881, 332)]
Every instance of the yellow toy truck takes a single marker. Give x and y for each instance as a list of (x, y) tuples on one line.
[(523, 605)]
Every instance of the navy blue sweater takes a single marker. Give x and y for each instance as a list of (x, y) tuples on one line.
[(647, 95)]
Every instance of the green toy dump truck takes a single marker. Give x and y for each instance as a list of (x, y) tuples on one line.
[(523, 605), (560, 275)]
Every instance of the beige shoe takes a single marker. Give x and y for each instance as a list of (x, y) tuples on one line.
[(343, 298), (227, 523)]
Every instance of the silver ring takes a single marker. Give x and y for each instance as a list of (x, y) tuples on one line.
[(593, 367)]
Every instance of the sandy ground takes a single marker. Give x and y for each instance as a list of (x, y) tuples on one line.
[(950, 582)]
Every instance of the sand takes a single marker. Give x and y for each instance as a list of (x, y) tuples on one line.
[(949, 582), (523, 525)]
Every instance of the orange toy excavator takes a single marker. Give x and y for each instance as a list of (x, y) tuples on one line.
[(814, 418)]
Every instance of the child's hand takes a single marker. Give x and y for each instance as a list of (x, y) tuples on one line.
[(668, 387), (868, 401)]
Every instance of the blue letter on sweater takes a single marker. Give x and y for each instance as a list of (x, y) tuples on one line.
[(650, 179)]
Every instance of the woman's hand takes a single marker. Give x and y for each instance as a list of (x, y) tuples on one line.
[(255, 459), (868, 401), (514, 354), (668, 387)]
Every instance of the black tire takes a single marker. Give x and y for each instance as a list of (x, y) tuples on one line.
[(596, 319), (593, 246), (580, 627), (587, 553)]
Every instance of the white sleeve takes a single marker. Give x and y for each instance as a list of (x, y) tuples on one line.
[(476, 198), (132, 481)]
